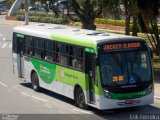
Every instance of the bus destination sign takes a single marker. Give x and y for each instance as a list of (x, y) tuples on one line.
[(117, 46)]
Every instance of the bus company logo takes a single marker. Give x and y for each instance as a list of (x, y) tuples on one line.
[(61, 73), (44, 69), (129, 102)]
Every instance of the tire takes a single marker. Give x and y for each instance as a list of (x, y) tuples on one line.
[(80, 99), (35, 82)]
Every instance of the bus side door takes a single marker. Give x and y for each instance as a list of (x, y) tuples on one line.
[(90, 70), (18, 60)]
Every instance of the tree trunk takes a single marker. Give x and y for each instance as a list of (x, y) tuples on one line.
[(134, 28), (88, 24), (127, 25), (154, 28), (87, 14), (26, 13)]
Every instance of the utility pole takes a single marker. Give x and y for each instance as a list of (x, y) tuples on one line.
[(26, 13)]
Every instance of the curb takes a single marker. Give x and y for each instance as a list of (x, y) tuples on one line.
[(9, 22), (157, 97), (156, 74)]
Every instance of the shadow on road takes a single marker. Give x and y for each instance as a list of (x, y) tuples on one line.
[(51, 94), (142, 112)]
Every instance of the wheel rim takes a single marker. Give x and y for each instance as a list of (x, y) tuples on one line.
[(80, 100), (34, 81)]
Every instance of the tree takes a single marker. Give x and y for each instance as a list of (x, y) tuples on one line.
[(149, 12), (10, 2), (46, 4), (87, 11)]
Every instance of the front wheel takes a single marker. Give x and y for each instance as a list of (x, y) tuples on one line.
[(80, 99), (35, 82)]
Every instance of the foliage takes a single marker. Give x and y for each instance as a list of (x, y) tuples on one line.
[(110, 21), (87, 11), (10, 2), (149, 11), (41, 17), (21, 12)]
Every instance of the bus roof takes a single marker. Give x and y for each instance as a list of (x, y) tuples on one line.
[(61, 33)]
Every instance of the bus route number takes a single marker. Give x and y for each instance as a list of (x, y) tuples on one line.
[(118, 78)]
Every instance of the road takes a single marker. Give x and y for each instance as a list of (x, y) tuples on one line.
[(17, 97), (2, 17)]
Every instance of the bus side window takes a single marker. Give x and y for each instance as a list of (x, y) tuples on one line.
[(28, 47), (39, 48), (79, 52), (61, 53), (48, 52), (76, 57)]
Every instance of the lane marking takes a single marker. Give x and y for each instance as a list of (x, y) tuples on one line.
[(83, 111), (34, 97), (157, 97), (4, 38), (3, 84), (4, 45)]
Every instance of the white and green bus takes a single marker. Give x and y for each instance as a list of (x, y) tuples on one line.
[(97, 69)]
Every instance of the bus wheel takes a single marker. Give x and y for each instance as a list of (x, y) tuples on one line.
[(35, 82), (80, 99)]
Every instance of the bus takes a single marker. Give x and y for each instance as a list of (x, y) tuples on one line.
[(98, 69)]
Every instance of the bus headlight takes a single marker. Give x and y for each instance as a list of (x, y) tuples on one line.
[(107, 94)]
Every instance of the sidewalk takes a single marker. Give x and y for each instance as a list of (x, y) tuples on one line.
[(157, 90), (13, 22)]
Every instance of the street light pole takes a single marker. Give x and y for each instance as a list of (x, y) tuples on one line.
[(26, 13)]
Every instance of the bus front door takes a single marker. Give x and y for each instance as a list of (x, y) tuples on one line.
[(90, 70), (20, 59)]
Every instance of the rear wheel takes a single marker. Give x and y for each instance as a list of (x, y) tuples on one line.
[(35, 82), (80, 99)]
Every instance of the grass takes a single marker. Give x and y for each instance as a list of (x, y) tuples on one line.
[(156, 62)]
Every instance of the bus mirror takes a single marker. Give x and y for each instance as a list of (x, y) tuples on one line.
[(151, 52)]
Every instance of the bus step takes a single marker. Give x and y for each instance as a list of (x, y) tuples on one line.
[(22, 79)]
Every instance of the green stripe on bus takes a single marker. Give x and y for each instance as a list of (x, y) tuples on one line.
[(90, 50), (74, 40), (20, 35)]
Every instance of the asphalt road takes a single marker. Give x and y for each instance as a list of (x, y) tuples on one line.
[(17, 97), (2, 17)]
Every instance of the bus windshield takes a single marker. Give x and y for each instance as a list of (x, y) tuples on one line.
[(125, 69)]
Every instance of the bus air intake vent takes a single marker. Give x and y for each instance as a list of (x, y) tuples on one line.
[(57, 27), (99, 34), (75, 30), (104, 34)]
